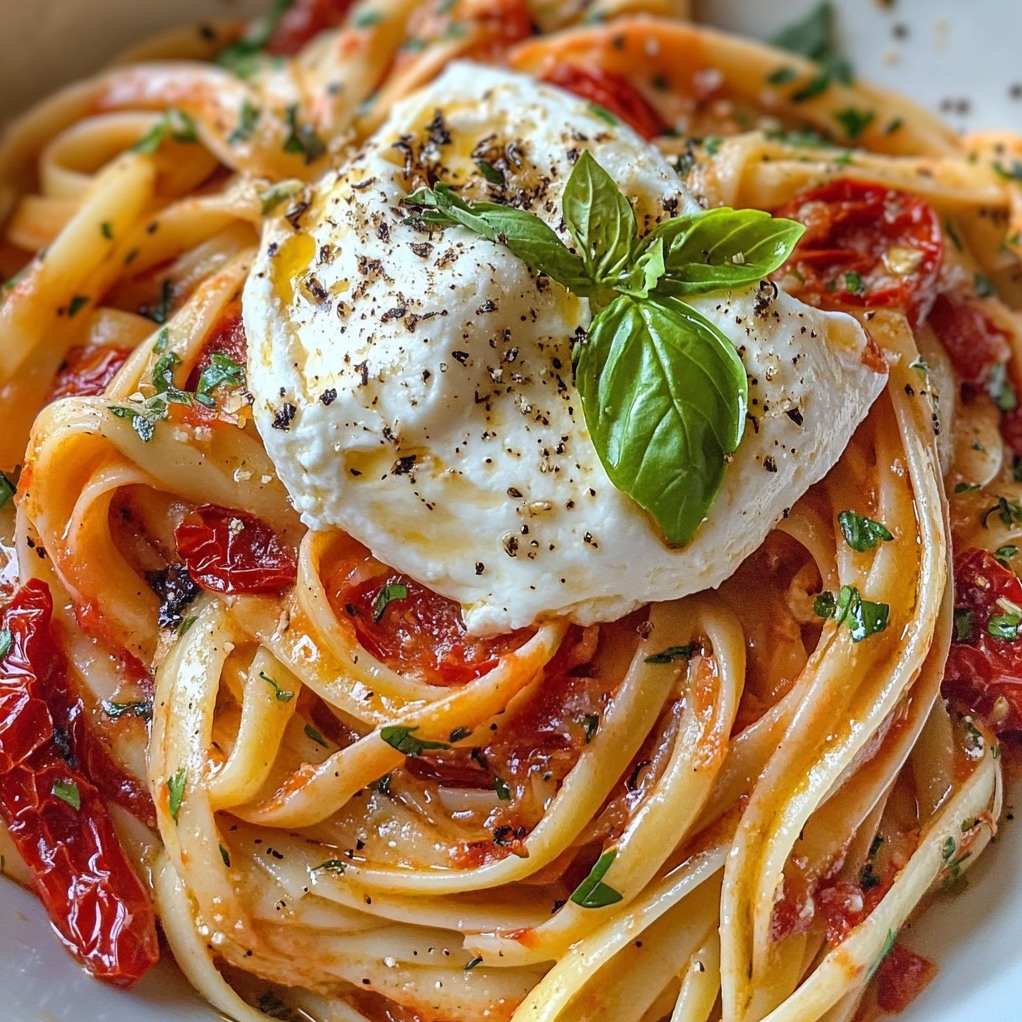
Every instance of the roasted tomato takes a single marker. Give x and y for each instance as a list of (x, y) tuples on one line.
[(984, 666), (612, 92), (504, 22), (974, 343), (226, 338), (412, 629), (87, 371), (900, 979), (865, 246), (56, 816), (229, 551), (304, 19)]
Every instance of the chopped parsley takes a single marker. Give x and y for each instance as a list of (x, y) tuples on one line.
[(244, 56), (593, 892), (77, 303), (366, 19), (1009, 173), (458, 734), (673, 653), (386, 596), (6, 641), (330, 866), (272, 197), (854, 121), (590, 725), (175, 125), (314, 735), (862, 533), (603, 113), (106, 229), (226, 856), (176, 792), (222, 371), (1005, 553), (854, 283), (302, 138), (964, 624), (863, 617), (67, 791), (141, 708), (403, 740), (1007, 510), (1004, 626), (283, 696), (160, 312), (966, 487), (248, 118), (813, 36), (782, 75), (500, 786), (983, 285), (952, 232), (6, 489)]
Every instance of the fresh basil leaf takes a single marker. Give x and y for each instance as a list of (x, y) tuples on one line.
[(723, 248), (646, 271), (862, 533), (664, 396), (600, 219), (593, 892), (528, 237)]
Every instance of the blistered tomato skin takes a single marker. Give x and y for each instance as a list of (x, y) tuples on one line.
[(613, 93), (972, 340), (87, 371), (984, 672), (865, 246), (96, 903), (419, 631), (304, 19), (231, 552)]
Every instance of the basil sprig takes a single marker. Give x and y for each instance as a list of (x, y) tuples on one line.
[(663, 391)]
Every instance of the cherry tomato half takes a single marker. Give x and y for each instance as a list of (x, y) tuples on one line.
[(303, 20), (984, 670), (612, 92), (87, 371), (411, 628), (55, 815), (974, 343), (229, 551), (865, 246)]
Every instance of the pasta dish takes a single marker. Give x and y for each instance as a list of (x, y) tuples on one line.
[(510, 511)]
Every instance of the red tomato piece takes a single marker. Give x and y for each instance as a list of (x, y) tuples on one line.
[(56, 817), (418, 630), (974, 343), (226, 338), (505, 22), (985, 672), (901, 977), (229, 551), (87, 371), (613, 93), (303, 20), (865, 246)]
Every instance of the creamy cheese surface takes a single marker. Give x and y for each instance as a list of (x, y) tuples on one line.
[(414, 387)]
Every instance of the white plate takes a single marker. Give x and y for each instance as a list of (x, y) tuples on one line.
[(953, 52)]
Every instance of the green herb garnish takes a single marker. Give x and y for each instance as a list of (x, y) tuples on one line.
[(386, 596), (673, 653), (222, 371), (175, 125), (176, 792), (282, 695), (593, 892), (302, 138), (67, 791), (862, 533), (1004, 626), (141, 708), (7, 490), (248, 118), (402, 739), (964, 624), (645, 340), (863, 617)]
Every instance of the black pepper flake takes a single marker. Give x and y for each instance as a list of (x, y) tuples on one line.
[(488, 306), (421, 248), (480, 567), (795, 415), (362, 368), (396, 313), (769, 464), (404, 465), (329, 396), (294, 215), (511, 546), (284, 416), (460, 356)]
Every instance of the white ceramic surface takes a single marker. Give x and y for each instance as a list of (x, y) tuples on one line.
[(952, 51)]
